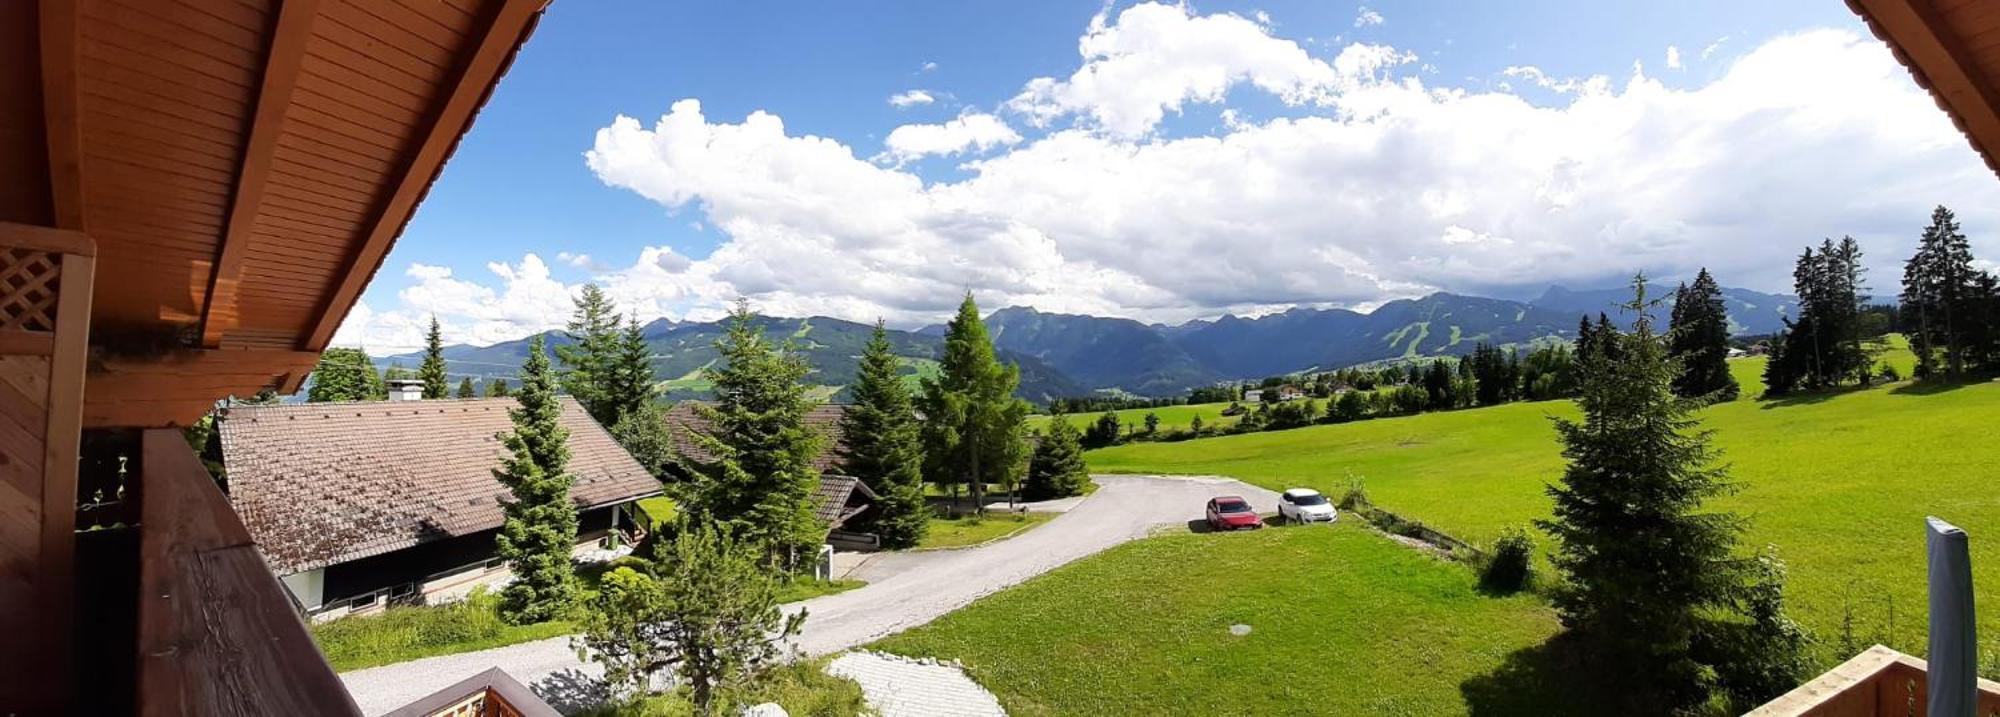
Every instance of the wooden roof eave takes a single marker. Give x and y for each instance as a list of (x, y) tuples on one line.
[(1934, 50)]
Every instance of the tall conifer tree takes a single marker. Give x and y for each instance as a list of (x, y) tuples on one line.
[(972, 421), (539, 529), (432, 369), (1699, 341), (759, 480), (1647, 565), (881, 446), (588, 362)]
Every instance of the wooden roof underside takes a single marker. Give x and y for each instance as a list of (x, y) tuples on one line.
[(1952, 48), (243, 166)]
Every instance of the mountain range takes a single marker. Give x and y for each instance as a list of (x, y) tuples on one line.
[(1065, 355)]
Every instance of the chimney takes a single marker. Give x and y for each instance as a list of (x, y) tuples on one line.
[(406, 389), (1954, 661)]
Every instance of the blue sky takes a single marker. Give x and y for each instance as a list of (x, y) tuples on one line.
[(950, 217)]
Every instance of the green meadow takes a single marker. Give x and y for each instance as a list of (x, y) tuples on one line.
[(1340, 621), (1838, 484), (1171, 417)]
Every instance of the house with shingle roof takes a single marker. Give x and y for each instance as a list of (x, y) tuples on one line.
[(357, 504), (839, 498)]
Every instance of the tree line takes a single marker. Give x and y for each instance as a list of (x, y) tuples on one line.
[(746, 521)]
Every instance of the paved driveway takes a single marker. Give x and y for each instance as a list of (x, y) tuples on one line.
[(905, 590)]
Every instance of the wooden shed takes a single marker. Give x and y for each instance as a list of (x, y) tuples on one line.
[(193, 193)]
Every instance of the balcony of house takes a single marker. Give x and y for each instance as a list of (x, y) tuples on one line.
[(1877, 683)]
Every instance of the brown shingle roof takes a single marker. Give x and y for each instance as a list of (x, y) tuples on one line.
[(682, 421), (831, 500), (324, 483)]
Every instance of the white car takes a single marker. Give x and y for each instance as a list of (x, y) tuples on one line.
[(1305, 505)]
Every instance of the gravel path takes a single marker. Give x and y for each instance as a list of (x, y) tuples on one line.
[(902, 687), (904, 590)]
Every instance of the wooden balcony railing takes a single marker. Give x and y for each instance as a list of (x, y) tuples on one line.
[(1879, 682), (217, 634)]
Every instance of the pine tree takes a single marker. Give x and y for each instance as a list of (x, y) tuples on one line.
[(1643, 559), (539, 530), (628, 387), (465, 389), (496, 388), (882, 447), (1056, 469), (1938, 289), (760, 480), (588, 360), (637, 423), (432, 369), (973, 422), (1698, 340), (1438, 387)]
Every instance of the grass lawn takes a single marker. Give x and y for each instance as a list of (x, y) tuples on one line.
[(1342, 621), (660, 510), (802, 688), (1839, 483), (407, 633), (967, 531), (1171, 417), (804, 589)]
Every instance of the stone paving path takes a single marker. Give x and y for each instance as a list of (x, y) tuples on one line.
[(903, 687)]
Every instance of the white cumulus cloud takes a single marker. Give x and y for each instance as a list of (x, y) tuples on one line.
[(1155, 58), (1367, 17), (911, 98), (1673, 57), (1382, 187), (970, 132)]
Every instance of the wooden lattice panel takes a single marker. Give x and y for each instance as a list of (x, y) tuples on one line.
[(29, 280)]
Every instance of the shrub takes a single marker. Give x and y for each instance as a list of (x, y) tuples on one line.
[(1509, 567), (1889, 373), (1355, 497)]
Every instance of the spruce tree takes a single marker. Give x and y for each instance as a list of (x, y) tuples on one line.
[(432, 369), (1938, 293), (588, 360), (882, 448), (628, 387), (539, 529), (759, 480), (1056, 469), (465, 389), (973, 423), (637, 422), (1698, 340), (496, 388), (1646, 563)]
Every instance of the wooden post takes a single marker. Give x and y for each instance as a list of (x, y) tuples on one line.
[(44, 330)]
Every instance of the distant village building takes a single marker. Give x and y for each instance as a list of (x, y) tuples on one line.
[(356, 505), (1289, 392), (1255, 395)]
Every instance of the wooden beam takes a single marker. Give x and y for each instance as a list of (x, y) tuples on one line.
[(60, 36), (60, 39), (485, 62), (274, 96), (177, 389), (48, 239), (1937, 58), (63, 446)]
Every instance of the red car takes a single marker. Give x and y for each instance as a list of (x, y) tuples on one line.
[(1232, 513)]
